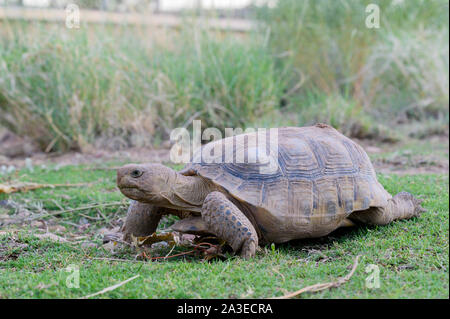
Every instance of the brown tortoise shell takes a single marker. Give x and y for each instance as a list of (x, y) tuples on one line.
[(321, 177)]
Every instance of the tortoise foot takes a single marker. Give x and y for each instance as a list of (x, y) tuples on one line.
[(227, 222)]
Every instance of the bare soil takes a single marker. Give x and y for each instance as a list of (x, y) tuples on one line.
[(407, 157), (414, 156)]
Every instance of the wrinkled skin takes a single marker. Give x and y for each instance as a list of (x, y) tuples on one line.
[(142, 220), (159, 190)]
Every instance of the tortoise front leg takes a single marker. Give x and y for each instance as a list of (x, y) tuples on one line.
[(227, 222), (142, 220)]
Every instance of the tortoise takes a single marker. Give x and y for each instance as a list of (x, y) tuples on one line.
[(322, 181)]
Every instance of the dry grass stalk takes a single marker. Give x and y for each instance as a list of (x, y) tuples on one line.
[(319, 287), (26, 186), (110, 288)]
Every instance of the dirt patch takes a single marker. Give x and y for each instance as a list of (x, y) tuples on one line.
[(414, 156), (411, 157), (98, 157), (11, 249), (19, 152), (408, 167)]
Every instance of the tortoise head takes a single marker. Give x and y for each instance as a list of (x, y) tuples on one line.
[(149, 183)]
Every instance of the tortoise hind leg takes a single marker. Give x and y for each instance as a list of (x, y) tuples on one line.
[(227, 222), (401, 206)]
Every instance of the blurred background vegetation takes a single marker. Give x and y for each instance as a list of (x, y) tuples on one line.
[(117, 86)]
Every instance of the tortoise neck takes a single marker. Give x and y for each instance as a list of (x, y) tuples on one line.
[(188, 192)]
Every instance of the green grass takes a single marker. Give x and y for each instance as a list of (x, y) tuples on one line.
[(118, 86), (350, 73), (310, 61), (412, 255)]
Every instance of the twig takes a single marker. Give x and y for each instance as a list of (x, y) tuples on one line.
[(173, 247), (27, 186), (116, 259), (104, 217), (319, 287), (196, 248), (110, 288), (175, 255), (72, 210), (90, 217)]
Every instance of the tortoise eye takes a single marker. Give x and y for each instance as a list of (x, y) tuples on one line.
[(136, 173)]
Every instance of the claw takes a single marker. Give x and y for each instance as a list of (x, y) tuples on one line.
[(248, 249)]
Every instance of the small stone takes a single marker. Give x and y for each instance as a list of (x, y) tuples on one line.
[(88, 244), (38, 224)]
